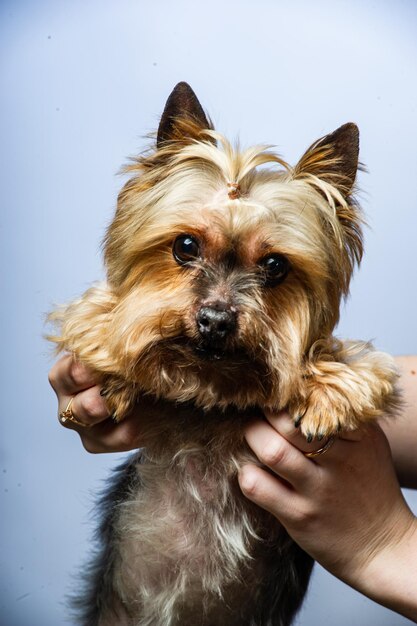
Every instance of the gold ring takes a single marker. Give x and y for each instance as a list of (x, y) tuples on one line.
[(321, 450), (68, 416)]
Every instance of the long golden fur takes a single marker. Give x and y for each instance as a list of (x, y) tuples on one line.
[(186, 542)]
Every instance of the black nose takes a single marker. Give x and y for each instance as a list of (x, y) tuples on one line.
[(215, 324)]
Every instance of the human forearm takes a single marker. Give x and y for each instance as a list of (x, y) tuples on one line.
[(402, 431), (390, 577), (345, 507)]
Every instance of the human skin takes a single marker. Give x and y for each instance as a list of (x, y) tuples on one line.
[(344, 507)]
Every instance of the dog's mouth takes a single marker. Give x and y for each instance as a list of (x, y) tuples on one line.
[(234, 355), (232, 373), (210, 351)]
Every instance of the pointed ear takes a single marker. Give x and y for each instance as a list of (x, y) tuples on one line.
[(334, 158), (182, 105)]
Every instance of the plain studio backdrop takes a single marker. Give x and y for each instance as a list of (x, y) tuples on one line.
[(82, 82)]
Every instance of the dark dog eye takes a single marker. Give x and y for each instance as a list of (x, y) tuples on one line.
[(275, 269), (185, 249)]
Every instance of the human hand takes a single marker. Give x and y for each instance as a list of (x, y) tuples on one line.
[(100, 433), (345, 507)]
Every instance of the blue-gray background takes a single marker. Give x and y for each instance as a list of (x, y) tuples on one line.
[(82, 81)]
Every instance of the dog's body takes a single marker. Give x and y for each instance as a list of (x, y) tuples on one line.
[(184, 546), (224, 285)]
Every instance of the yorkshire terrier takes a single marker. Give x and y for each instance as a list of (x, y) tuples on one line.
[(225, 273)]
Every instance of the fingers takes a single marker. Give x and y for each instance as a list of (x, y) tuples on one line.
[(276, 452), (284, 425), (110, 437), (282, 422), (74, 382), (87, 406), (287, 492), (268, 492), (68, 376), (282, 449), (98, 433)]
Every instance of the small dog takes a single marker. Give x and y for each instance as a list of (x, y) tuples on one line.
[(224, 284)]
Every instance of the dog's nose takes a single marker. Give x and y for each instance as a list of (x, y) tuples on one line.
[(215, 324)]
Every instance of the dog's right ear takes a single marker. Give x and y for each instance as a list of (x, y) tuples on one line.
[(181, 107)]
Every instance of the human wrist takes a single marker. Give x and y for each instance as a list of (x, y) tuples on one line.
[(390, 573)]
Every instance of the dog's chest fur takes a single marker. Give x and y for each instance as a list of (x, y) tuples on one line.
[(186, 530), (184, 538)]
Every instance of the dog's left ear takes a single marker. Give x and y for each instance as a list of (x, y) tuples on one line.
[(333, 158), (181, 107)]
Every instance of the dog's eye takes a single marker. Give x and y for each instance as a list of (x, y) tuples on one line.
[(185, 249), (275, 269)]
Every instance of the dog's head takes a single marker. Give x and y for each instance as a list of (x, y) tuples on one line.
[(227, 265)]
